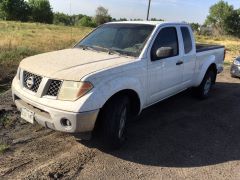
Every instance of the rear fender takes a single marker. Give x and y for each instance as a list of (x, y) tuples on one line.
[(204, 68)]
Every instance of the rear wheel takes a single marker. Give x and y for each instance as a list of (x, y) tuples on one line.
[(115, 116), (205, 87)]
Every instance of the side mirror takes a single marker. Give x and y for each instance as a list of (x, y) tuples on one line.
[(164, 52)]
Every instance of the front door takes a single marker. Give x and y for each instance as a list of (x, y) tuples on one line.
[(165, 74)]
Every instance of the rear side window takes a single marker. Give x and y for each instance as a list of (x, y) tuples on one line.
[(167, 37), (186, 39)]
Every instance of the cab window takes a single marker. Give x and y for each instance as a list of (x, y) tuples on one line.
[(186, 40)]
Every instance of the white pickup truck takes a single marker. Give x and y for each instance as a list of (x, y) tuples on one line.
[(111, 75)]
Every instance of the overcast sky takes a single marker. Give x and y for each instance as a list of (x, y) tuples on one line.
[(169, 10)]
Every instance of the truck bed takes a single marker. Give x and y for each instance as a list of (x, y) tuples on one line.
[(207, 47)]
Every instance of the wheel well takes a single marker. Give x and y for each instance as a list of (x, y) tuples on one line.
[(135, 104), (213, 68)]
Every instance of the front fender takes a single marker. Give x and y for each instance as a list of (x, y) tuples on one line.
[(104, 91), (203, 68)]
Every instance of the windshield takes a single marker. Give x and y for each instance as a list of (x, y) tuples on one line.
[(125, 39)]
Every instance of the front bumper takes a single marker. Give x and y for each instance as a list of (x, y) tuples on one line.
[(235, 70), (52, 118)]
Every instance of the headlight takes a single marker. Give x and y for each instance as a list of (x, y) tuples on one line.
[(236, 62), (71, 91)]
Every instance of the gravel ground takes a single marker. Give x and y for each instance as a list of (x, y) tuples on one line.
[(180, 138)]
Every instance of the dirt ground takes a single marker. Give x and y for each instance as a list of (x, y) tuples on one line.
[(180, 138)]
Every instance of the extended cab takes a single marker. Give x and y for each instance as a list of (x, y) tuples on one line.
[(112, 75)]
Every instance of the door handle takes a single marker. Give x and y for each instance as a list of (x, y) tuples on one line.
[(179, 63)]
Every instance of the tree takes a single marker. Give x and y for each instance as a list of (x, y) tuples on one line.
[(15, 10), (102, 16), (218, 14), (232, 23), (41, 11), (195, 27)]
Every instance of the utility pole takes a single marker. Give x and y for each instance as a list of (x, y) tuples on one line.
[(149, 5)]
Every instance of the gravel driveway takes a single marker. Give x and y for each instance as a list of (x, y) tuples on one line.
[(180, 138)]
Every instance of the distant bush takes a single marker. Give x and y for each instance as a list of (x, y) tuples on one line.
[(62, 19), (155, 19), (87, 22), (206, 31), (195, 27)]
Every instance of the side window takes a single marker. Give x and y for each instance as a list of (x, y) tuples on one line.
[(167, 38), (186, 39)]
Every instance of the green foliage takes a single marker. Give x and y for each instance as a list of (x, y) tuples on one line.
[(155, 19), (218, 14), (3, 148), (16, 53), (41, 11), (123, 19), (16, 10), (62, 19), (87, 22), (195, 27), (74, 20), (232, 23), (102, 16)]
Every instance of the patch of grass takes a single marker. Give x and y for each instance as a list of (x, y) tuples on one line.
[(3, 88), (231, 44), (12, 55), (3, 148), (5, 121), (20, 40)]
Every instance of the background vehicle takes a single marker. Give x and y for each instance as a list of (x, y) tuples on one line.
[(235, 68), (112, 75)]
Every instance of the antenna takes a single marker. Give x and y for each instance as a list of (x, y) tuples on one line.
[(149, 5), (70, 9)]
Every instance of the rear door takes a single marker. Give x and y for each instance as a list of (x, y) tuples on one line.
[(189, 56), (165, 75)]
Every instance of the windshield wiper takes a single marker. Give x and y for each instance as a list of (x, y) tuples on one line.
[(84, 47), (112, 51), (108, 50)]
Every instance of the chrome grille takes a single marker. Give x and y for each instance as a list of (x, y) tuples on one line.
[(54, 88), (36, 81)]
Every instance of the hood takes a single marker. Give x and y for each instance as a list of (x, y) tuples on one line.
[(71, 64)]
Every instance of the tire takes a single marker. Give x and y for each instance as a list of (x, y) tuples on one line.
[(115, 116), (205, 87)]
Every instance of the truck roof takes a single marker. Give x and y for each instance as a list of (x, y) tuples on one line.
[(155, 23)]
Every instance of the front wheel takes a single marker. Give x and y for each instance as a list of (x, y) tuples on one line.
[(203, 90), (115, 117)]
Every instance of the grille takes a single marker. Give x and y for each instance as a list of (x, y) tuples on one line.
[(54, 88), (31, 81)]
